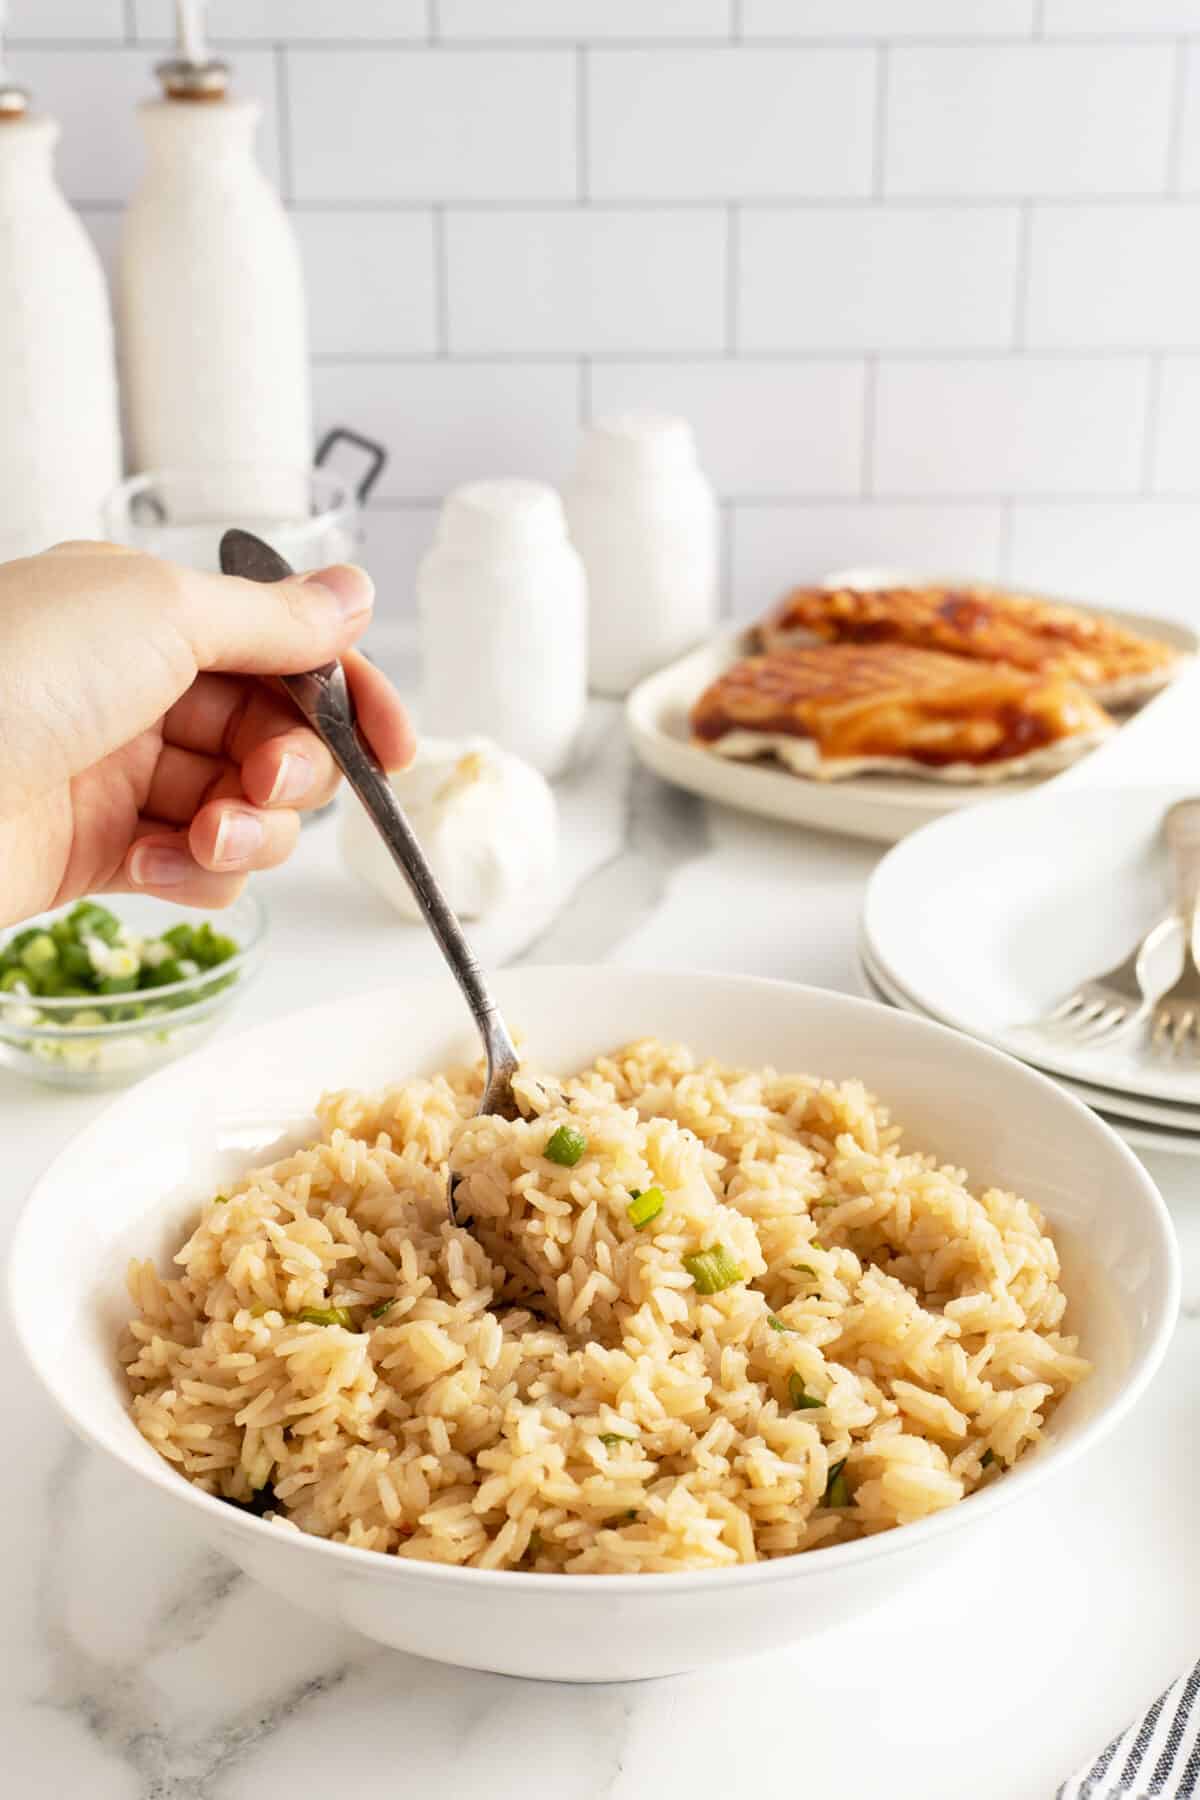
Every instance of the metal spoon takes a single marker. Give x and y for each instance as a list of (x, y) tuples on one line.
[(323, 697)]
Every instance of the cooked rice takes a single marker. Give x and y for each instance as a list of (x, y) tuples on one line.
[(552, 1393)]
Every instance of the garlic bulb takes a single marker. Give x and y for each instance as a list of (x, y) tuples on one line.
[(485, 819)]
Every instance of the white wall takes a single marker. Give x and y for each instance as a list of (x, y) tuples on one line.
[(925, 274)]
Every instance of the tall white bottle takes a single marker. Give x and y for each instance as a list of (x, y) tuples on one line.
[(214, 340), (59, 435)]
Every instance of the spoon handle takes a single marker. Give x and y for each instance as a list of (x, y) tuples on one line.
[(323, 697)]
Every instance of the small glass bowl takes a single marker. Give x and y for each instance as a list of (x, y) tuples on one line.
[(38, 1039)]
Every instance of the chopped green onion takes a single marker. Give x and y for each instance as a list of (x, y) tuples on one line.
[(325, 1315), (804, 1269), (644, 1207), (712, 1270), (220, 1200), (15, 981), (801, 1402), (116, 984), (566, 1146), (384, 1306), (776, 1323), (40, 953), (987, 1459), (836, 1492), (609, 1438)]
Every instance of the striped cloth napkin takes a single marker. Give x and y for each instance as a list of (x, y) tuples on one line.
[(1158, 1755)]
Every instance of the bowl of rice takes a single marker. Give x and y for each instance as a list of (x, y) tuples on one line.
[(770, 1297)]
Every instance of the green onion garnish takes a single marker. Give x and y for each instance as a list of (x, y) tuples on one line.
[(609, 1438), (987, 1459), (836, 1492), (712, 1270), (776, 1323), (801, 1402), (220, 1199), (325, 1315), (384, 1306), (644, 1207), (804, 1269), (566, 1146)]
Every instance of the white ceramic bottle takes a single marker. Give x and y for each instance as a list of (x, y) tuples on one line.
[(643, 517), (214, 341), (59, 436), (503, 602)]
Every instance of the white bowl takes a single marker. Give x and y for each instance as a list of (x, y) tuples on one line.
[(131, 1182)]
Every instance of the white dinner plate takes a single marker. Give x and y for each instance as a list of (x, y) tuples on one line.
[(1101, 1099), (1137, 1132), (884, 808), (989, 918)]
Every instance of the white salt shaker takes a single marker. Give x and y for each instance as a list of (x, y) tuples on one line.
[(643, 516), (503, 604)]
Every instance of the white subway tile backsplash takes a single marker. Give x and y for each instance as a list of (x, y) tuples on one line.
[(370, 280), (231, 20), (426, 124), (444, 423), (894, 19), (1115, 276), (1010, 426), (94, 94), (877, 278), (1089, 18), (1188, 155), (594, 279), (583, 19), (82, 19), (761, 427), (1138, 555), (1031, 119), (1175, 452), (706, 124), (776, 546)]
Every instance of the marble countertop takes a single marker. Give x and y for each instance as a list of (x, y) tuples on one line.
[(137, 1665)]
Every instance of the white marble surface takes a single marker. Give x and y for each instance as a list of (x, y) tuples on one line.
[(135, 1665)]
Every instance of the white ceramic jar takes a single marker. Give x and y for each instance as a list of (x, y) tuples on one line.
[(503, 604), (644, 518), (59, 441), (214, 340)]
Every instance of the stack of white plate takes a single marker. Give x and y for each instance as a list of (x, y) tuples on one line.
[(987, 919)]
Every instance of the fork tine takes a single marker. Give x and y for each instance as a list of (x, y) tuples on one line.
[(1082, 1019), (1064, 1008), (1107, 1025)]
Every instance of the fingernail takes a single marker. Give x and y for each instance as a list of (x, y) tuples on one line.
[(351, 587), (154, 865), (239, 835), (294, 779)]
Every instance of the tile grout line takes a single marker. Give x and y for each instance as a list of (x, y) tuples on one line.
[(733, 260), (583, 398), (879, 143), (131, 31), (1021, 275), (867, 462), (849, 500), (283, 129), (433, 24), (737, 24), (441, 283), (582, 171), (1039, 19), (728, 527), (1154, 386), (1175, 120)]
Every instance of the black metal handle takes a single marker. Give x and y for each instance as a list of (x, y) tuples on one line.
[(375, 452)]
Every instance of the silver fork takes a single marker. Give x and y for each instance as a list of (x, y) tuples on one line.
[(1176, 1022), (1105, 1004)]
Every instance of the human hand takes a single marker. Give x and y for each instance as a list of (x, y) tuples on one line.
[(138, 753)]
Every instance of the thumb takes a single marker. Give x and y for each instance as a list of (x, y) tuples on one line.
[(273, 628)]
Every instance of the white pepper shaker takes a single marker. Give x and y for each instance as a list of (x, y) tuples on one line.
[(503, 604), (644, 518)]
